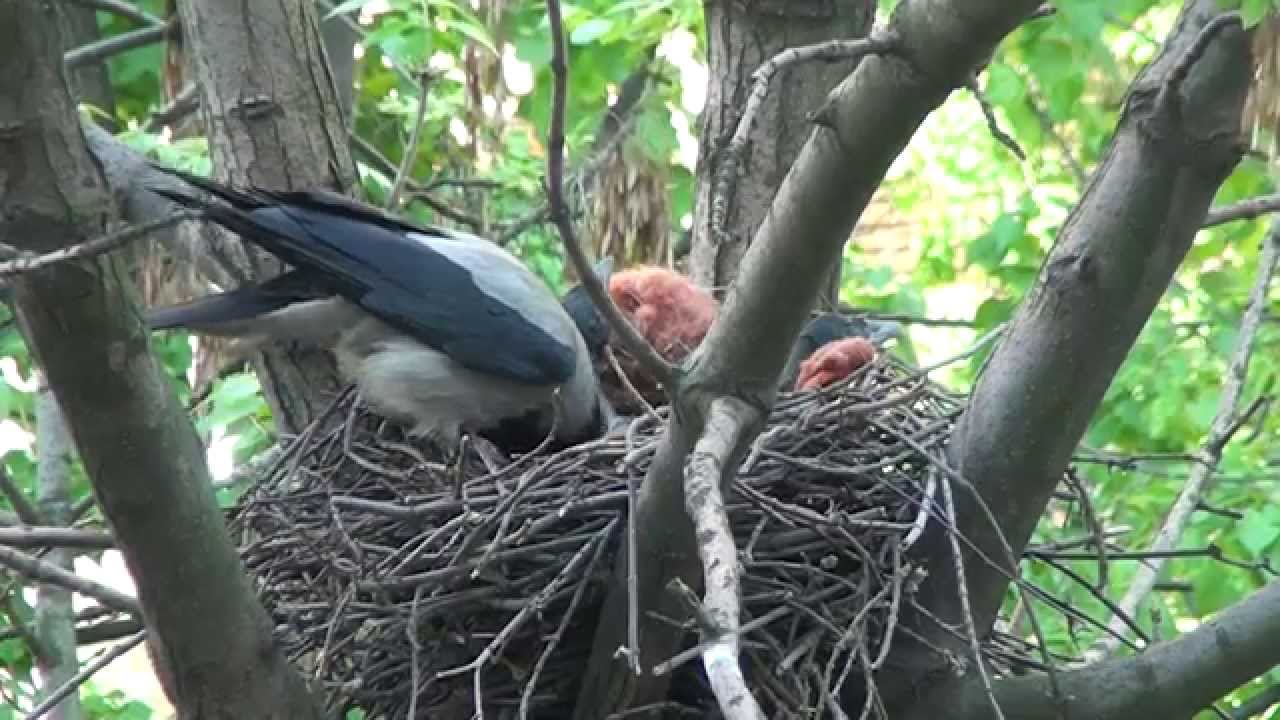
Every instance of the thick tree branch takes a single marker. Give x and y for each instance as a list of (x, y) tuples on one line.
[(1225, 424), (206, 628), (867, 121), (1112, 262), (1172, 679)]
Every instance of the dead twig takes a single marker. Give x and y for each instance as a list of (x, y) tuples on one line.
[(879, 41), (27, 262), (704, 475), (411, 149), (45, 572)]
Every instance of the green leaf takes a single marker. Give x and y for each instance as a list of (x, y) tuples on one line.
[(590, 30), (1252, 11), (1259, 529), (992, 312), (1004, 85), (345, 7), (534, 49), (990, 248)]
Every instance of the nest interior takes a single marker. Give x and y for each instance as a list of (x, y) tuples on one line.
[(408, 590)]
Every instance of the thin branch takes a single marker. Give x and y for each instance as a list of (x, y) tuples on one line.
[(1243, 210), (704, 473), (411, 150), (81, 677), (993, 125), (1224, 425), (879, 41), (629, 338), (27, 262), (1258, 704), (123, 9), (41, 571), (22, 505), (1051, 129), (117, 44), (34, 537), (186, 102)]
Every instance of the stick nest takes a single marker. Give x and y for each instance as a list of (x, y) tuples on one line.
[(407, 590)]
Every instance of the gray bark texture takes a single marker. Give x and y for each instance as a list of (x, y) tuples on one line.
[(273, 117), (138, 447), (1113, 259), (742, 35)]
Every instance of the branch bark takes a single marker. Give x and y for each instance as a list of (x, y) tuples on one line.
[(273, 116), (1172, 679), (138, 446), (1175, 144), (706, 471)]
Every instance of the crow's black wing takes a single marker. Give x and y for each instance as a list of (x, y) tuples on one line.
[(465, 297)]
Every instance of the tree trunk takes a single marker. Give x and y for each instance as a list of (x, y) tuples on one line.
[(138, 446), (273, 117), (741, 35)]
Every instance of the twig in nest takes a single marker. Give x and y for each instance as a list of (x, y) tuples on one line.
[(556, 637), (27, 262), (704, 472), (626, 383), (879, 41), (993, 125), (411, 149), (962, 587), (628, 336), (80, 678)]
